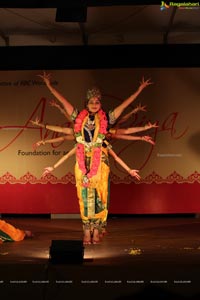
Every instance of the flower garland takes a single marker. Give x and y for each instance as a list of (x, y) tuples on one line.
[(95, 145)]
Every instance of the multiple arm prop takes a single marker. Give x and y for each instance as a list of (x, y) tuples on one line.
[(115, 133), (120, 108), (67, 105)]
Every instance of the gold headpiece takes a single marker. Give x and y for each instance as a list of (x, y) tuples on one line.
[(93, 92)]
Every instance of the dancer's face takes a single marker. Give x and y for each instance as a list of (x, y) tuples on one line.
[(94, 105)]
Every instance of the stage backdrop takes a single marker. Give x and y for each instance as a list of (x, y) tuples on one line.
[(169, 170)]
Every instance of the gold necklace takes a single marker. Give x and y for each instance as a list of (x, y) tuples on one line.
[(90, 124)]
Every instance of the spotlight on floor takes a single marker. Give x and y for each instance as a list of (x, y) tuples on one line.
[(66, 252)]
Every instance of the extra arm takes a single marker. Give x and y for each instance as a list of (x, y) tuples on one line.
[(119, 109), (130, 130), (67, 105), (145, 138), (132, 172), (55, 140), (48, 170), (55, 128), (61, 109), (128, 115)]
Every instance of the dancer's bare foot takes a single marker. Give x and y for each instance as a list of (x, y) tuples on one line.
[(96, 237), (87, 237)]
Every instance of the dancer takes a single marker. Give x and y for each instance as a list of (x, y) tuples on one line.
[(92, 162), (9, 233), (109, 137)]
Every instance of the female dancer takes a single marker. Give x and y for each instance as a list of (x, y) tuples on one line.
[(9, 233), (92, 162)]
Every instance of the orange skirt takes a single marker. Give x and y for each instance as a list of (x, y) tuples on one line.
[(9, 233)]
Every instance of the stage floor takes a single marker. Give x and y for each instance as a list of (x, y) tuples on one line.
[(140, 257)]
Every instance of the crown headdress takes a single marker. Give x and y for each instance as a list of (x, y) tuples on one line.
[(93, 92)]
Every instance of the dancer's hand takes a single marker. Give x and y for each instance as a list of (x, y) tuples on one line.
[(54, 103), (36, 122), (151, 125), (62, 110), (134, 173), (139, 107), (47, 170), (144, 83), (148, 139), (45, 77), (38, 144)]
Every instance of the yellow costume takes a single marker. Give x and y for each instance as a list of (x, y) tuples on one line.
[(92, 167)]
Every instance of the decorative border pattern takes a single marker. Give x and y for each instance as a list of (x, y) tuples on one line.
[(70, 178), (156, 178)]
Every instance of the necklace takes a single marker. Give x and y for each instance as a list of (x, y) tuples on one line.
[(90, 125), (100, 124)]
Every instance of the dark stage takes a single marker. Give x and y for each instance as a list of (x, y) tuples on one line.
[(141, 257)]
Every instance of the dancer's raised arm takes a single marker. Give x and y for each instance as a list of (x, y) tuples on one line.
[(120, 108), (67, 105)]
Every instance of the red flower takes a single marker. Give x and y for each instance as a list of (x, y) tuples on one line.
[(96, 153)]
